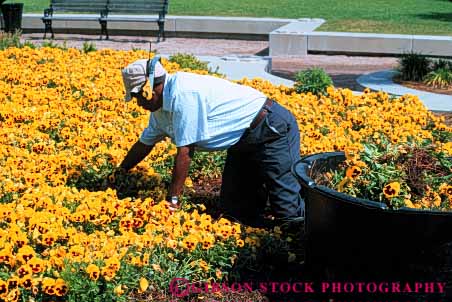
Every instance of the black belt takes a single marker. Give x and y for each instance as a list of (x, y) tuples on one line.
[(262, 113)]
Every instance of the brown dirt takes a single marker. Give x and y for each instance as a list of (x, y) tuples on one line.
[(423, 87), (447, 116), (202, 47), (344, 70)]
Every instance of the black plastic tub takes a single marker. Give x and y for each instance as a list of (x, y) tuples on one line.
[(351, 236)]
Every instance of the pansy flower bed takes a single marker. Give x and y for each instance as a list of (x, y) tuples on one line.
[(66, 236)]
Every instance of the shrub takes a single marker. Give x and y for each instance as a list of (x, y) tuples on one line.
[(51, 44), (10, 40), (439, 78), (88, 47), (189, 61), (441, 63), (13, 40), (314, 80), (28, 44), (413, 67)]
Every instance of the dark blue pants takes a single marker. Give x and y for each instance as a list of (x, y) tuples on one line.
[(258, 169)]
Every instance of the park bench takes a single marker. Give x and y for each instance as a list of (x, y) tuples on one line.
[(93, 9), (107, 11), (120, 10)]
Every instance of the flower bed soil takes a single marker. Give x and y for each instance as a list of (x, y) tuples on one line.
[(344, 70), (423, 87), (447, 117)]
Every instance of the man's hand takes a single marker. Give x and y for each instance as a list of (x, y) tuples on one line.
[(180, 172), (135, 155)]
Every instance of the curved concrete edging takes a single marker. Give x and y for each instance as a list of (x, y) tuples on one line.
[(382, 80)]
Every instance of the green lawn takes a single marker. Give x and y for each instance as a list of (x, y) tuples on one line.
[(378, 16)]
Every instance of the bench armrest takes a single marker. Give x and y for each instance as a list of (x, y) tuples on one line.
[(104, 14), (48, 12)]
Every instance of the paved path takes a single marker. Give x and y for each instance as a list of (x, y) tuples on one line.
[(382, 80), (238, 67), (202, 47)]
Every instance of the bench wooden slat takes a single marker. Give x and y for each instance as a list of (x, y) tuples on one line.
[(84, 6), (135, 6), (96, 8), (136, 2), (75, 18), (153, 6), (150, 19), (136, 11), (78, 9), (80, 3)]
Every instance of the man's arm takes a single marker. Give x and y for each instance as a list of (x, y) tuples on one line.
[(180, 170), (135, 155)]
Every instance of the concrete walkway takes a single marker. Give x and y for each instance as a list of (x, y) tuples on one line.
[(382, 80), (238, 67)]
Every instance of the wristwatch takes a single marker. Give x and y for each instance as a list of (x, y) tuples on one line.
[(174, 200)]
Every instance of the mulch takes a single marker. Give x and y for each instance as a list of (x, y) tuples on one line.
[(424, 87)]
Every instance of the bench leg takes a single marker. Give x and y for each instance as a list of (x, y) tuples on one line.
[(161, 25), (48, 28), (104, 29)]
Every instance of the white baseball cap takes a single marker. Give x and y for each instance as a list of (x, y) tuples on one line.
[(134, 76)]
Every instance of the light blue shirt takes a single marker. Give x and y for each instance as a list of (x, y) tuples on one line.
[(209, 112)]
